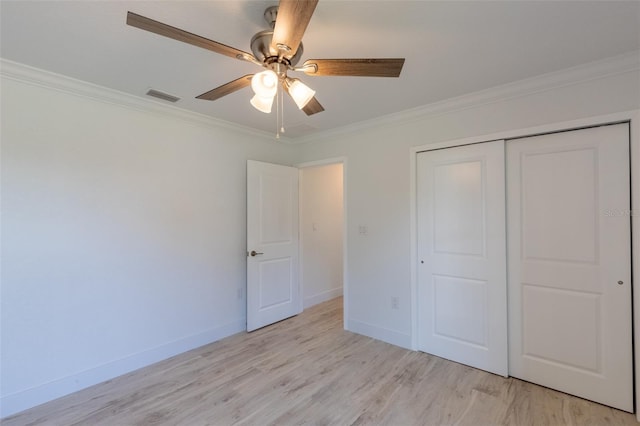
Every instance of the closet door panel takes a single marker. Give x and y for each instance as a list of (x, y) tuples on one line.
[(462, 270), (569, 263)]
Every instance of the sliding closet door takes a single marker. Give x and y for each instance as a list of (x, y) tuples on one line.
[(462, 259), (569, 263)]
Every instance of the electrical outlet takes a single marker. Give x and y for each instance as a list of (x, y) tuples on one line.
[(363, 230), (395, 302)]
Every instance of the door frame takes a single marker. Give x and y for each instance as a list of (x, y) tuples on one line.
[(633, 118), (345, 251)]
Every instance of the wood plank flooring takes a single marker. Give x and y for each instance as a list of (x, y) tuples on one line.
[(308, 370)]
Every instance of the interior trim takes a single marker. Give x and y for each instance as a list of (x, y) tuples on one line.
[(615, 65), (37, 77)]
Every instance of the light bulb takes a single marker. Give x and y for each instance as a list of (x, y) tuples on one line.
[(262, 104), (300, 92), (265, 84)]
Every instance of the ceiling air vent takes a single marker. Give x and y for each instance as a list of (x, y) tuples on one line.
[(161, 95)]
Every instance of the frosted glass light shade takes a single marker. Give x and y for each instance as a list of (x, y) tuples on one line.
[(265, 84), (262, 104), (300, 92)]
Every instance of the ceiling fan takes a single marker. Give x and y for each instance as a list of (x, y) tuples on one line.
[(278, 50)]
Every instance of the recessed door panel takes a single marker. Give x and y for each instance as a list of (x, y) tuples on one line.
[(276, 282), (566, 229), (458, 204), (276, 208), (460, 309), (575, 342)]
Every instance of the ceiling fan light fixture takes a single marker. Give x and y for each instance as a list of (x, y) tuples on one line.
[(279, 50), (300, 92), (262, 104), (265, 84)]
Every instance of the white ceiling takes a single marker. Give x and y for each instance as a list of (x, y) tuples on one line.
[(451, 48)]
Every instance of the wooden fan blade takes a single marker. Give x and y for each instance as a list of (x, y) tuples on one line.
[(291, 23), (313, 107), (159, 28), (225, 89), (354, 67)]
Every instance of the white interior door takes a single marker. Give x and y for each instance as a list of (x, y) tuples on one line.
[(273, 292), (569, 263), (461, 254)]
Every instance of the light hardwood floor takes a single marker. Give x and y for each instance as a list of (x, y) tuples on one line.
[(307, 370)]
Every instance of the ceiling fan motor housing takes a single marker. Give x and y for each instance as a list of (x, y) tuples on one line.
[(261, 49)]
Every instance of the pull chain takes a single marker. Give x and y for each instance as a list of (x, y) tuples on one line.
[(278, 113), (281, 109)]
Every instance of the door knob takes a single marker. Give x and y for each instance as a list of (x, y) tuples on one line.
[(620, 282), (254, 253)]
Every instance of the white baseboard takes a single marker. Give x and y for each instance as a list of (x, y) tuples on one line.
[(19, 401), (376, 332), (322, 297)]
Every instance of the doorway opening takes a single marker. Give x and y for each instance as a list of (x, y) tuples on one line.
[(322, 232)]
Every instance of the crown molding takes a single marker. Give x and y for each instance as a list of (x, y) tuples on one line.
[(615, 65), (41, 78)]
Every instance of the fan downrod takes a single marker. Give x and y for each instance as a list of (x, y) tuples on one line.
[(261, 44)]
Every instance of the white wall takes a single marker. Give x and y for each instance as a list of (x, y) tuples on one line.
[(321, 233), (123, 229), (123, 238), (379, 187)]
